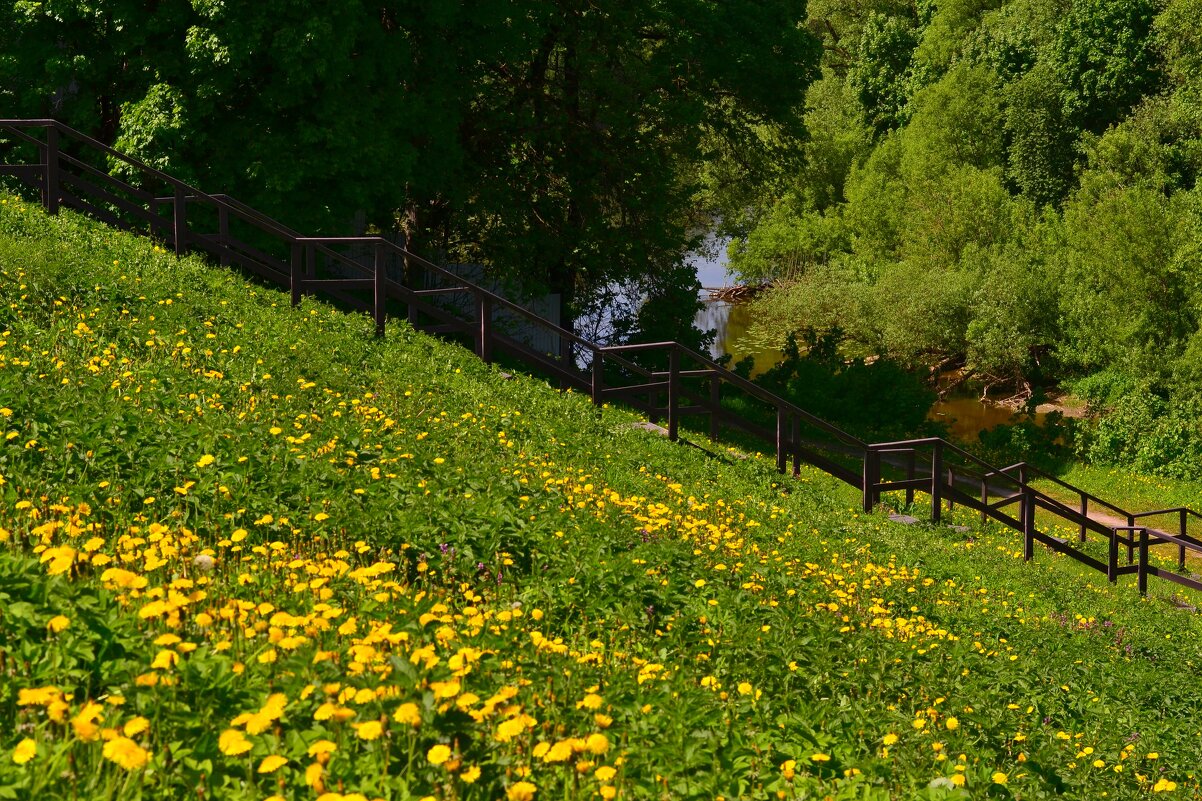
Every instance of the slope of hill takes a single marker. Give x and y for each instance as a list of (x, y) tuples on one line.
[(250, 551)]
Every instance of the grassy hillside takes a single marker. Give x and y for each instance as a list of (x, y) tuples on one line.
[(252, 552)]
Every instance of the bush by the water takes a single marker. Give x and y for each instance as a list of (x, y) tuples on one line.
[(1148, 434), (875, 399)]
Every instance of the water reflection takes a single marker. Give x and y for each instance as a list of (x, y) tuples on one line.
[(966, 417), (731, 321)]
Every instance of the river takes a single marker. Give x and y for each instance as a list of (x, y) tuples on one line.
[(965, 415), (730, 320)]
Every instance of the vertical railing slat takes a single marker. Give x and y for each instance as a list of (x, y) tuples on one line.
[(179, 227), (484, 335), (50, 183), (673, 393), (936, 482), (379, 296), (598, 387), (715, 406), (296, 265)]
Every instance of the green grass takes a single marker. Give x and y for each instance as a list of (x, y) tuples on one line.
[(1133, 491), (324, 538)]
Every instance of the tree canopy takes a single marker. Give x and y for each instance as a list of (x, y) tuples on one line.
[(563, 143), (1012, 187)]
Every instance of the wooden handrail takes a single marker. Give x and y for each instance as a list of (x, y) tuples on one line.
[(941, 482)]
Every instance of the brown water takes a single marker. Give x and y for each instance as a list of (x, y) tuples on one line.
[(968, 416), (965, 416)]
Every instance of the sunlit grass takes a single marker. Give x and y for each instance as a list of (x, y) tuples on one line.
[(252, 552)]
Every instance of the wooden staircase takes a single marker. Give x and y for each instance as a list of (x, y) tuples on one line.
[(664, 380)]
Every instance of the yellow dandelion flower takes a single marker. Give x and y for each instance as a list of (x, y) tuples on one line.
[(164, 660), (444, 689), (233, 742), (438, 754), (85, 723), (271, 764), (321, 747), (408, 714), (26, 750), (126, 753), (370, 730), (1000, 778), (522, 791), (58, 624), (559, 752), (135, 726)]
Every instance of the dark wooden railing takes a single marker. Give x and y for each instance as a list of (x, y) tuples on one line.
[(67, 168)]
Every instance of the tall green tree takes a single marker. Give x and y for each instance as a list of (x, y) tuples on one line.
[(558, 141)]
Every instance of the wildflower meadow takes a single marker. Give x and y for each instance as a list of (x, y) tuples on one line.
[(251, 552)]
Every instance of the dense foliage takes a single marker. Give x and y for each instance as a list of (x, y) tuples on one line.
[(248, 551), (1007, 185), (559, 142), (877, 400)]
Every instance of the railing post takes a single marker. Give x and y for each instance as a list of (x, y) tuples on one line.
[(951, 485), (936, 482), (1142, 570), (1130, 539), (780, 439), (598, 378), (484, 335), (50, 171), (1181, 548), (715, 406), (180, 225), (795, 440), (223, 233), (911, 463), (379, 296), (1112, 558), (565, 359), (296, 281), (412, 285), (1084, 514), (673, 393), (984, 500), (1028, 514), (871, 477), (1022, 500)]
